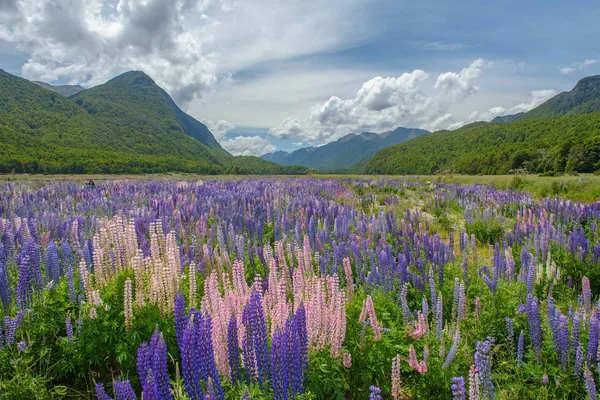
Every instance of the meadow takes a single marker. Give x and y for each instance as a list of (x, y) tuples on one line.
[(328, 287)]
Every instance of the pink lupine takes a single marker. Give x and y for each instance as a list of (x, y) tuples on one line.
[(349, 279), (396, 382), (420, 327), (369, 310), (347, 360), (420, 367)]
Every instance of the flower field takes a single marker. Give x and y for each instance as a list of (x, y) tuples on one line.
[(296, 289)]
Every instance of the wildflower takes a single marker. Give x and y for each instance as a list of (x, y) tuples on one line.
[(458, 388), (347, 360), (374, 393), (396, 382)]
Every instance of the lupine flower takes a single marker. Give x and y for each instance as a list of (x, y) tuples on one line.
[(510, 334), (5, 296), (592, 341), (420, 327), (578, 365), (128, 304), (439, 317), (374, 393), (232, 349), (101, 393), (10, 328), (255, 350), (483, 362), (533, 322), (152, 368), (69, 329), (420, 367), (474, 389), (459, 391), (590, 385), (347, 360), (123, 390), (452, 352), (477, 308), (396, 381), (21, 346), (545, 379)]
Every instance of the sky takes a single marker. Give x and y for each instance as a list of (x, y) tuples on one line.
[(268, 75)]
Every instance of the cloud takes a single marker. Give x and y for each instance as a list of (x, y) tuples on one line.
[(219, 128), (248, 146), (537, 97), (578, 66), (385, 103), (443, 46), (188, 46)]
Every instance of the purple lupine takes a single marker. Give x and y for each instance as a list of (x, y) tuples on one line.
[(439, 318), (374, 393), (123, 390), (590, 385), (562, 329), (69, 329), (10, 329), (255, 350), (207, 355), (452, 352), (5, 296), (280, 373), (510, 335), (233, 353), (535, 329), (101, 393), (592, 341), (35, 257), (300, 351), (545, 379), (22, 346), (459, 392), (23, 289), (483, 362), (406, 314), (575, 331), (190, 367), (246, 395), (152, 368), (578, 365), (52, 264), (69, 272), (180, 317)]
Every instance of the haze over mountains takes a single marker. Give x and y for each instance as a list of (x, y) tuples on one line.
[(344, 152), (128, 124), (560, 135)]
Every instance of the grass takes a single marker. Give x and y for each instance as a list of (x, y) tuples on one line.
[(584, 187)]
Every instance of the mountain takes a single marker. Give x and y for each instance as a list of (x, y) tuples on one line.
[(128, 125), (507, 118), (561, 135), (344, 152), (65, 90), (139, 101)]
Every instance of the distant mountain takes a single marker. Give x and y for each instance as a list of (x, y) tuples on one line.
[(344, 152), (128, 125), (65, 90), (561, 135), (507, 118)]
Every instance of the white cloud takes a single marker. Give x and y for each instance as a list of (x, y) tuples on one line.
[(537, 97), (219, 128), (187, 46), (248, 146), (386, 103), (578, 66)]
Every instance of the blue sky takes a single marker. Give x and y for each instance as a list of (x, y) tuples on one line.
[(266, 75)]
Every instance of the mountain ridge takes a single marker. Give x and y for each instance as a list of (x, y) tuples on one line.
[(343, 152)]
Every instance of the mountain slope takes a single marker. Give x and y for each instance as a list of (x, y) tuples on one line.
[(563, 134), (344, 152), (123, 130), (136, 98), (65, 90)]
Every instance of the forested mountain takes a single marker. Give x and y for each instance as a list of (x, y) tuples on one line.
[(65, 90), (128, 125), (563, 134), (344, 152)]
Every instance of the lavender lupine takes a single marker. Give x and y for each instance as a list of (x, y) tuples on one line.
[(23, 290), (101, 393), (255, 350), (69, 329), (10, 329), (374, 393), (52, 264), (233, 353), (562, 329), (578, 364), (533, 322), (452, 352), (280, 358), (123, 390), (590, 385), (299, 350), (459, 392), (510, 334), (190, 367), (483, 362), (439, 317), (5, 296), (593, 341)]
